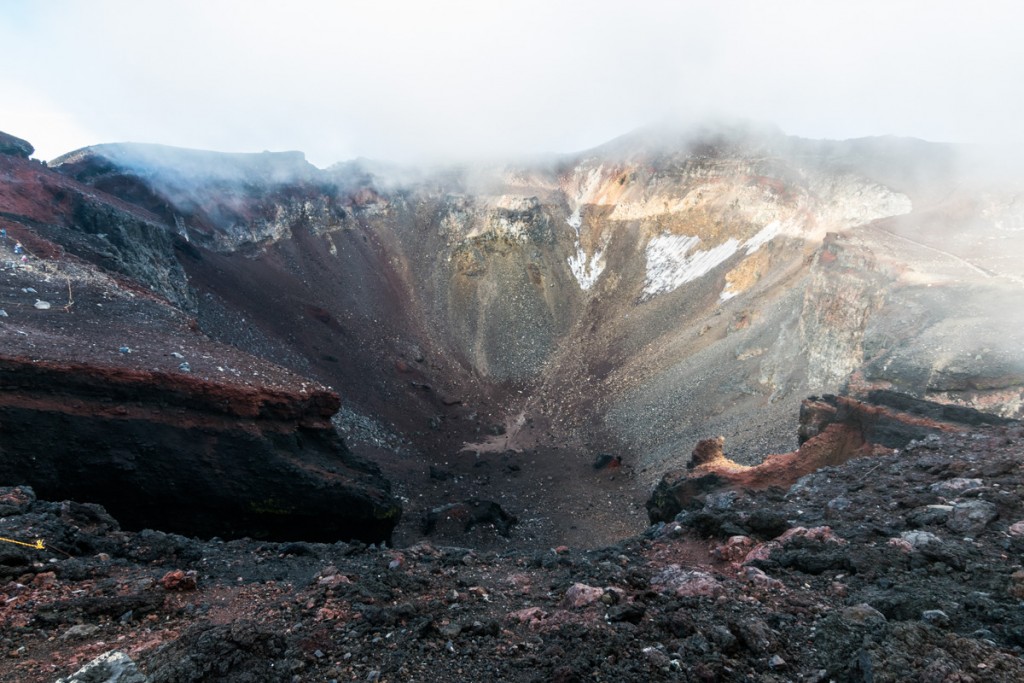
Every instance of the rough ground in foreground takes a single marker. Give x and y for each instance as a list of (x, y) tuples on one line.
[(894, 568)]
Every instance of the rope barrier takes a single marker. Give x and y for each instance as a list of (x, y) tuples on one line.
[(38, 545)]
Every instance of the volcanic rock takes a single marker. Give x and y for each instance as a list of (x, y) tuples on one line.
[(13, 146), (112, 667), (833, 429), (183, 454)]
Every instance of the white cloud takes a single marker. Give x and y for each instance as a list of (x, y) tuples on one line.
[(406, 80)]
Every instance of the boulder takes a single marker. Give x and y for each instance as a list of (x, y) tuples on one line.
[(15, 147)]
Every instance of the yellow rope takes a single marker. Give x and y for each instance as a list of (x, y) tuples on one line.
[(38, 545)]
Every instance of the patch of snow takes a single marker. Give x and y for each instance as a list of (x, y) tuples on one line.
[(669, 265), (585, 270), (575, 221), (767, 234), (726, 294)]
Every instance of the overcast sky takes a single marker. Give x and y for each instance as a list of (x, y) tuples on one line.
[(419, 79)]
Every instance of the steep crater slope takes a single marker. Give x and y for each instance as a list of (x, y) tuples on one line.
[(657, 264), (109, 393), (632, 299)]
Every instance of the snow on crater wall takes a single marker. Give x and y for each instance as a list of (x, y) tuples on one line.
[(585, 269), (670, 265)]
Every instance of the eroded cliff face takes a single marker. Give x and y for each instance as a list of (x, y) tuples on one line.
[(170, 451), (109, 393)]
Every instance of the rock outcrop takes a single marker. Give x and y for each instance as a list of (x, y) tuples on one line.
[(174, 452), (833, 430), (15, 147)]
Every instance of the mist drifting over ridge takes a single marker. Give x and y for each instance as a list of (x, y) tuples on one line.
[(405, 82)]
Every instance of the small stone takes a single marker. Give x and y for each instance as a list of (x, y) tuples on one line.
[(16, 500), (734, 550), (1016, 589), (777, 662), (175, 354), (839, 503), (935, 617), (530, 615), (42, 305), (953, 487), (757, 577), (971, 516), (333, 580), (719, 500), (79, 631), (656, 656), (3, 313), (112, 666), (44, 580), (918, 539), (1017, 528), (177, 580), (185, 367), (684, 583), (862, 614), (450, 630), (581, 595)]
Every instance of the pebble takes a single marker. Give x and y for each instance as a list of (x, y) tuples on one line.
[(935, 617), (971, 516), (42, 305), (656, 656), (862, 614), (581, 595), (919, 538), (955, 486), (80, 631)]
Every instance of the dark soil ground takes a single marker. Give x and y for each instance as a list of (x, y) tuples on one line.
[(894, 568)]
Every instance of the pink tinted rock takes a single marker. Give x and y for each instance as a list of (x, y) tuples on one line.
[(733, 550), (581, 595), (686, 583)]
